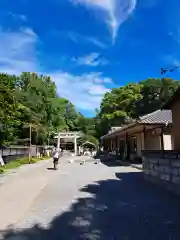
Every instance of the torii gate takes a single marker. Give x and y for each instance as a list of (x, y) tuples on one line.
[(68, 135)]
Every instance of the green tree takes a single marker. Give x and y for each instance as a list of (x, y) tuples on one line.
[(122, 105), (31, 99), (154, 93)]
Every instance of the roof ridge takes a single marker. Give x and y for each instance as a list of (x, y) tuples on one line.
[(149, 114)]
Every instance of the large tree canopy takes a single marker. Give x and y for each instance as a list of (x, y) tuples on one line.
[(122, 105), (31, 99)]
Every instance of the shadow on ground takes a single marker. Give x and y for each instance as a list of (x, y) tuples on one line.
[(111, 161), (114, 161), (118, 209), (50, 168)]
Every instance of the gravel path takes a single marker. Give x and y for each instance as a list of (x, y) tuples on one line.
[(100, 202)]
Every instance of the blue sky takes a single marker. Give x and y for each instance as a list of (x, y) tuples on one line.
[(90, 46)]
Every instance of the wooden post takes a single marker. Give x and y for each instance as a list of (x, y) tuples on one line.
[(143, 139), (162, 140), (127, 148), (116, 145)]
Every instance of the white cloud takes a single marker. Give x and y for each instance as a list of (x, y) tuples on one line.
[(116, 11), (172, 60), (23, 17), (85, 90), (96, 42), (78, 38), (92, 59), (17, 51), (18, 54)]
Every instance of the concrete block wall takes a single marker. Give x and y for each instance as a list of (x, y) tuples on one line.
[(162, 168)]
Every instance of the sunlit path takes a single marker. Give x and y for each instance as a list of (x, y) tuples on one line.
[(97, 201)]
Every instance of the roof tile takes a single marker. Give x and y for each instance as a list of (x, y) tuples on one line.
[(157, 117)]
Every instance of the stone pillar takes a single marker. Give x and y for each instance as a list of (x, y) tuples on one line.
[(59, 141), (75, 144)]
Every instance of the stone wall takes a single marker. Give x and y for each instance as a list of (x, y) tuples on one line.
[(12, 153), (162, 168)]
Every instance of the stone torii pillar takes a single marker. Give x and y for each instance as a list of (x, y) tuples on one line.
[(68, 135)]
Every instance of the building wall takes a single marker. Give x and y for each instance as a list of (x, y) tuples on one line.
[(152, 142), (167, 138), (167, 141), (140, 143), (176, 125), (145, 141)]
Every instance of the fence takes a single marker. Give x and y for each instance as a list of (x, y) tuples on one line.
[(13, 152)]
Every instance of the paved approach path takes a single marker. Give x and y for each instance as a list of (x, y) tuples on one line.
[(99, 202)]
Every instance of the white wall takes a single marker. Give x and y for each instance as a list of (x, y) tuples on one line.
[(167, 141)]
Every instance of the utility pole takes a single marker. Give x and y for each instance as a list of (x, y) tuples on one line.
[(30, 136), (48, 139), (75, 144), (59, 141)]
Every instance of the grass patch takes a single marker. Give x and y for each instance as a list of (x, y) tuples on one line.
[(2, 170), (19, 162)]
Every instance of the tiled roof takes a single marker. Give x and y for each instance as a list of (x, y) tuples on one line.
[(114, 129), (157, 117)]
